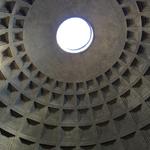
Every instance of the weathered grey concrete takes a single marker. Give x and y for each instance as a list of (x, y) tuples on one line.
[(40, 37), (43, 107)]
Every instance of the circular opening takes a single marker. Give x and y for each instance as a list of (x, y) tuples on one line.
[(74, 35)]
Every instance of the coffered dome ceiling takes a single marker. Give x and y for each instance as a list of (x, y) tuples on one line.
[(95, 100)]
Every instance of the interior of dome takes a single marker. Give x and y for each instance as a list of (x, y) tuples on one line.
[(97, 99)]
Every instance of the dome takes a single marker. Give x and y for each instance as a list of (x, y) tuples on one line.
[(90, 97)]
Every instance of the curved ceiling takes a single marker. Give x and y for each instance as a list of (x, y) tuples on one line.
[(40, 38), (95, 100)]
